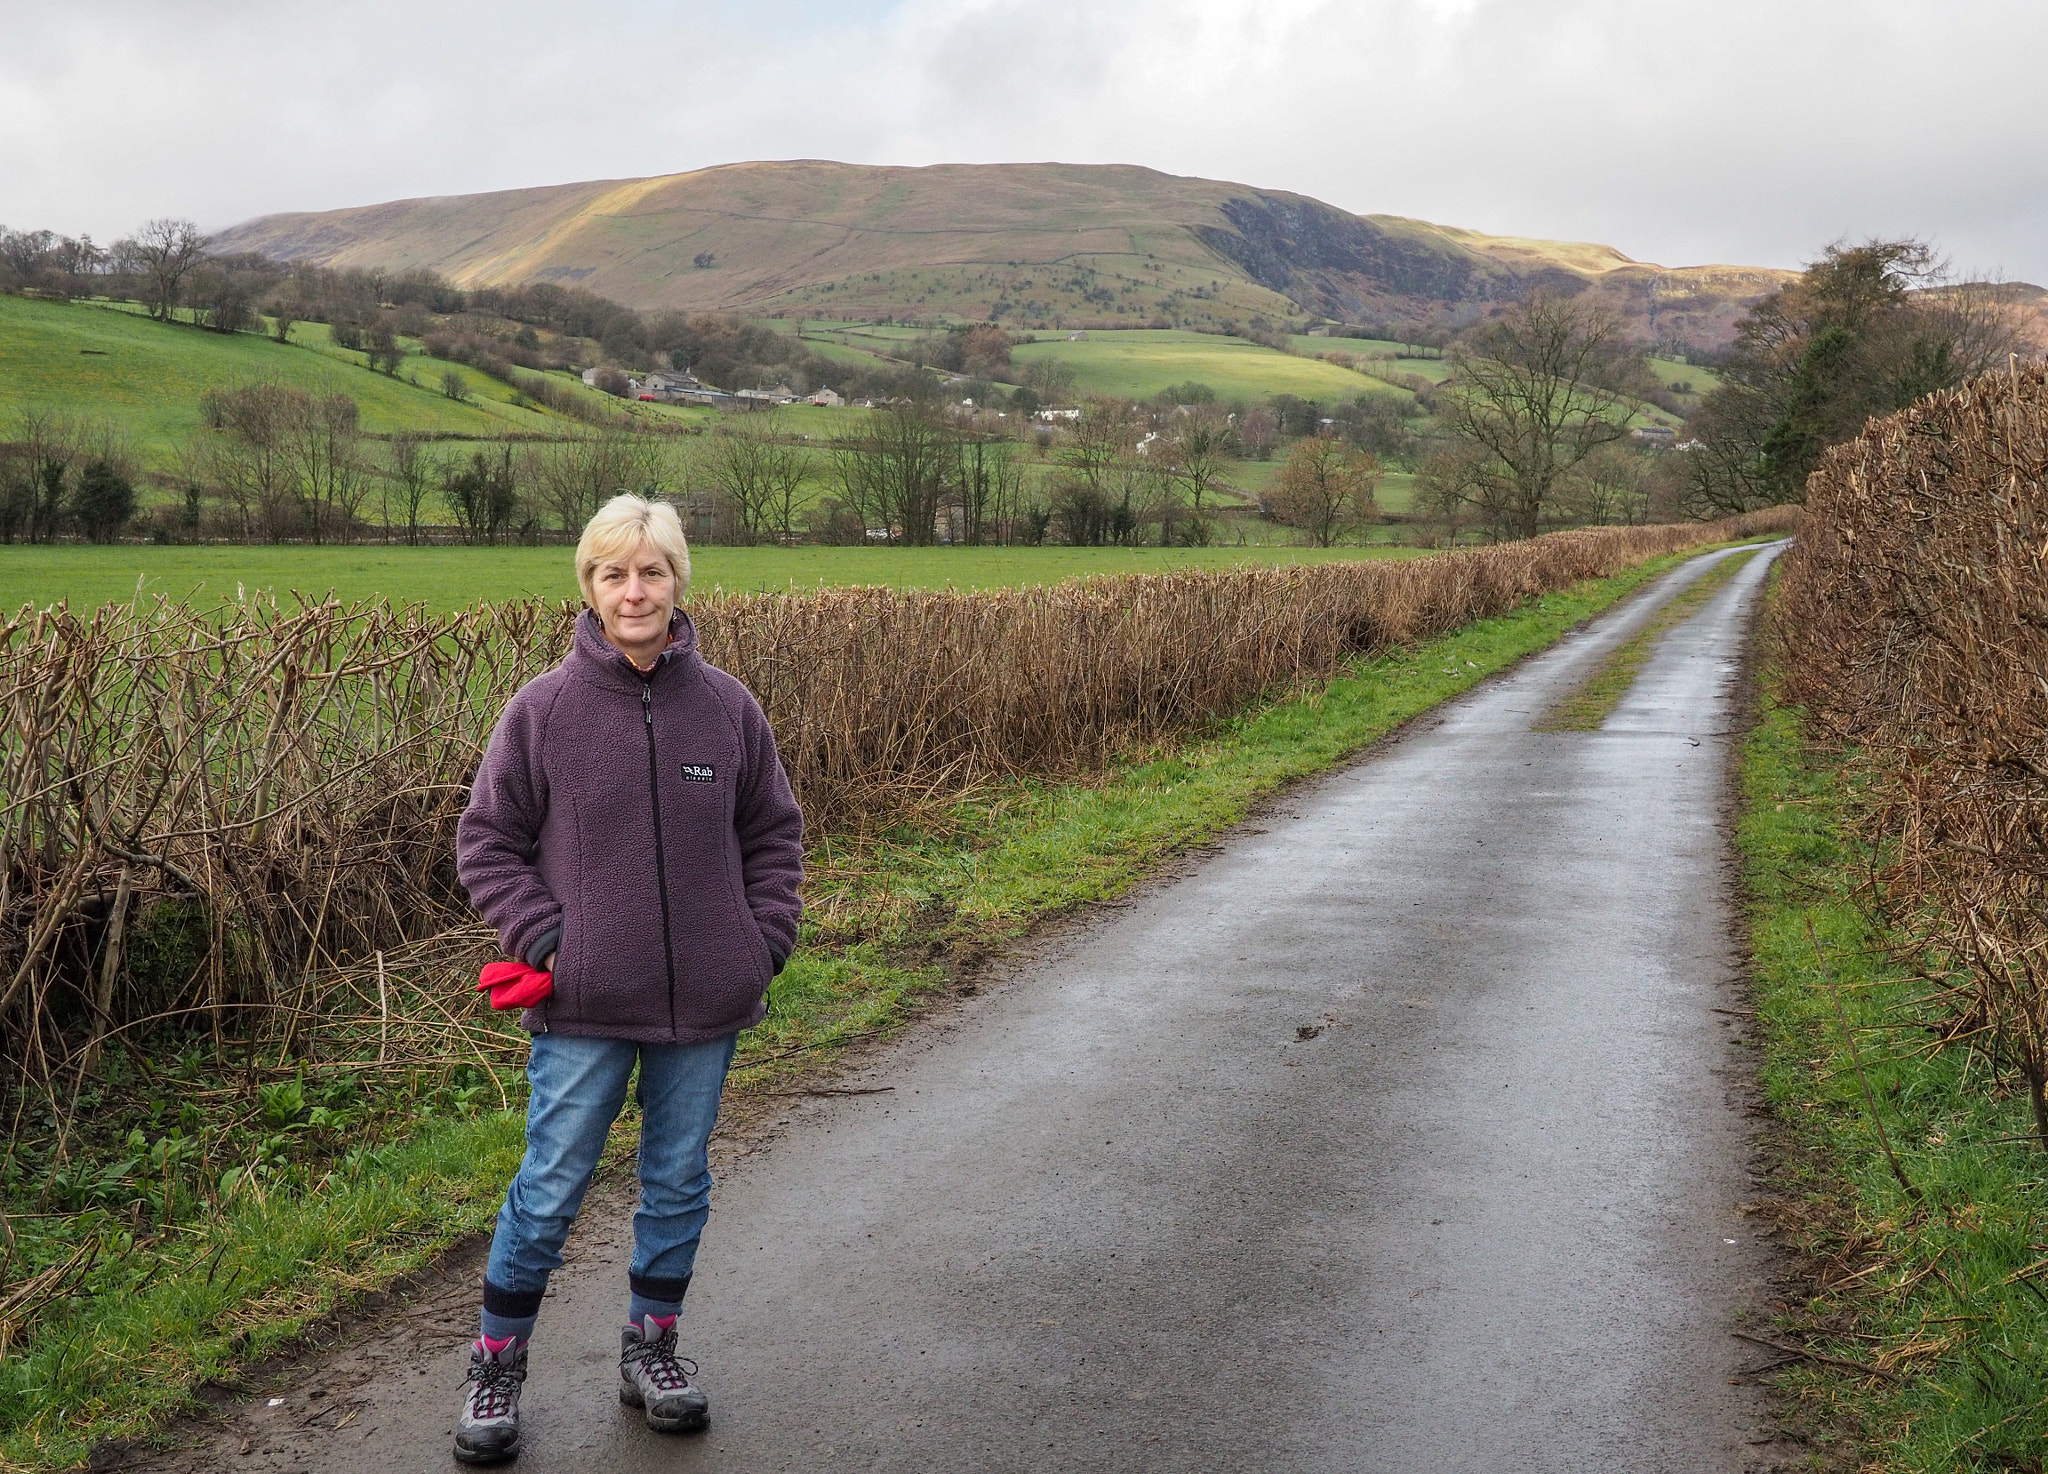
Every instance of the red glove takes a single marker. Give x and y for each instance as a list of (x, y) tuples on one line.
[(514, 984)]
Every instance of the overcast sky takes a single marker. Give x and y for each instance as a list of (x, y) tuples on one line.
[(1748, 131)]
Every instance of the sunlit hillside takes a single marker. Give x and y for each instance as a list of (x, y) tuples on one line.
[(1033, 244)]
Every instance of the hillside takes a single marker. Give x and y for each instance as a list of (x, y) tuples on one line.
[(1035, 244), (146, 378)]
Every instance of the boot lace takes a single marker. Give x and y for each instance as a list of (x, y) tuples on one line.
[(492, 1395), (658, 1360)]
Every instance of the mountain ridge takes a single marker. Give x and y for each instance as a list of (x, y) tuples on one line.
[(1044, 244)]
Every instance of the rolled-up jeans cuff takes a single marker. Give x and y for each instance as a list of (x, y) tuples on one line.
[(512, 1304)]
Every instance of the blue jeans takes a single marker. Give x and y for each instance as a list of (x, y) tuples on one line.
[(578, 1087)]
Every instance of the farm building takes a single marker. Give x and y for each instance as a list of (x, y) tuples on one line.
[(671, 383), (679, 388)]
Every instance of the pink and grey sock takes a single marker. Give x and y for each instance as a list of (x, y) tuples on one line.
[(655, 1295), (509, 1315)]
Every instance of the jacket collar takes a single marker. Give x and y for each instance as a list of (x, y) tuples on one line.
[(596, 659)]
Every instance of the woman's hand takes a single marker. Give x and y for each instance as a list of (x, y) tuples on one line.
[(549, 965)]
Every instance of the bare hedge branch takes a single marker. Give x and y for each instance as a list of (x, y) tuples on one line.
[(266, 799)]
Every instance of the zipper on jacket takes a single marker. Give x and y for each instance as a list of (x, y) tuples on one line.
[(668, 944)]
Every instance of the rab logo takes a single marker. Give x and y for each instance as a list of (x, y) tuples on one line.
[(699, 773)]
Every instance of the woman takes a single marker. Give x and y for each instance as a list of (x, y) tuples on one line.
[(631, 832)]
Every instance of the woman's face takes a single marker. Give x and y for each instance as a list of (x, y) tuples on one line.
[(635, 595)]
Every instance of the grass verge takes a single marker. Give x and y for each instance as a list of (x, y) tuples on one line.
[(1941, 1294), (892, 924), (1595, 698)]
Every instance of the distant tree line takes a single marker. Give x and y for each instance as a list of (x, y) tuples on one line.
[(1532, 428)]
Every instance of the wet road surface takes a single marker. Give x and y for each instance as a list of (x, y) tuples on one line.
[(1399, 1135)]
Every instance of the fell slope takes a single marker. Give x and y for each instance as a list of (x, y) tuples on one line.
[(146, 378), (1051, 244)]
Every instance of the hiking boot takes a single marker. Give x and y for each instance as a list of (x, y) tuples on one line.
[(487, 1429), (653, 1377)]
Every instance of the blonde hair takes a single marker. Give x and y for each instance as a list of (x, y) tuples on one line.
[(625, 523)]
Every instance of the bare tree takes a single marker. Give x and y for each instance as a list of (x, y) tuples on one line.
[(1611, 487), (573, 478), (385, 351), (164, 251), (322, 447), (895, 475), (761, 476), (1535, 391), (1095, 496), (991, 483), (1256, 433), (1197, 445), (1457, 487), (1110, 485), (247, 461), (1049, 378), (220, 300), (410, 472), (1325, 489), (25, 253), (1198, 440), (80, 261)]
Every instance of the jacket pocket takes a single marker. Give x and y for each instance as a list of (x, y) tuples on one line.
[(561, 1004), (767, 953)]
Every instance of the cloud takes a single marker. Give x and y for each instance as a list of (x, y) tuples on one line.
[(1744, 131)]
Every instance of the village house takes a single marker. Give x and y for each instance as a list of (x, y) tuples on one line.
[(826, 399)]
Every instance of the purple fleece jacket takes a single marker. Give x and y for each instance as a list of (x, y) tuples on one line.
[(642, 828)]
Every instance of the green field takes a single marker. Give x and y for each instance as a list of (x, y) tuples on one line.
[(1433, 368), (449, 578), (146, 378), (1140, 363), (1670, 370)]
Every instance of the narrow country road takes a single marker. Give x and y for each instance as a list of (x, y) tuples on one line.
[(1400, 1136)]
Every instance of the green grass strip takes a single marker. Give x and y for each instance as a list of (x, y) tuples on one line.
[(1948, 1293), (890, 922), (1595, 698)]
